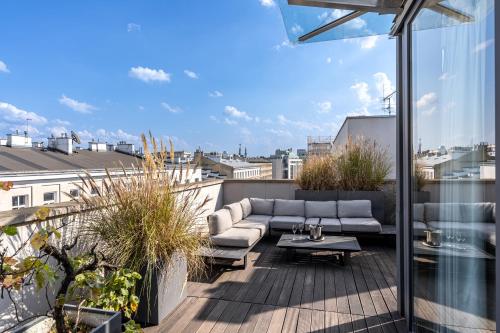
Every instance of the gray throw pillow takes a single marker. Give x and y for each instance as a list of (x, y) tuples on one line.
[(246, 207), (262, 206), (219, 221), (354, 208), (236, 211)]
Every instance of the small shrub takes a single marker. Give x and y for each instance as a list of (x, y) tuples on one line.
[(318, 174), (360, 165), (419, 177)]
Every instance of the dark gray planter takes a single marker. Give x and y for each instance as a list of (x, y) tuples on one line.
[(316, 195), (104, 321), (376, 197), (168, 290), (421, 196)]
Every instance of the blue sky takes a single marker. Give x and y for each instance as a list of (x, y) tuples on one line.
[(206, 73)]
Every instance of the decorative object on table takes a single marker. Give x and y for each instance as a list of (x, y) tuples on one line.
[(433, 238), (315, 232)]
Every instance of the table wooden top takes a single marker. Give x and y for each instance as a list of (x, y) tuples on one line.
[(330, 243)]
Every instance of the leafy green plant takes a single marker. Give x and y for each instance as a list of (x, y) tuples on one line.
[(419, 177), (143, 218)]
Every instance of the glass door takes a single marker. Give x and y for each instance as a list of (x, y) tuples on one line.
[(453, 166)]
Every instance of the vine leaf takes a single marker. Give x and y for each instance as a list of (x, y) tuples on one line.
[(10, 230)]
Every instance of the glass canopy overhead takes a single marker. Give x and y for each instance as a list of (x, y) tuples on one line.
[(321, 20), (315, 21)]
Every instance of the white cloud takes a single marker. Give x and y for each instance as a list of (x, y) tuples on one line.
[(303, 125), (214, 118), (230, 122), (61, 122), (11, 113), (383, 84), (324, 107), (267, 3), (3, 67), (131, 27), (446, 76), (190, 74), (141, 108), (111, 136), (427, 103), (234, 112), (484, 45), (297, 29), (361, 90), (148, 74), (57, 130), (284, 44), (75, 105), (215, 94), (328, 60), (280, 132), (171, 109), (369, 42)]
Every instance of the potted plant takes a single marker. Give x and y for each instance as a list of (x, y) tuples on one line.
[(145, 221), (419, 181), (75, 281), (354, 172)]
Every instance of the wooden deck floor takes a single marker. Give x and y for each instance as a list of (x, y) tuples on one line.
[(307, 294)]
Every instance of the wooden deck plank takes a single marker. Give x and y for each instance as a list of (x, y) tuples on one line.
[(286, 291), (341, 293), (358, 323), (298, 286), (291, 320), (238, 316), (330, 296), (277, 287), (197, 320), (277, 320), (331, 322), (304, 321), (251, 319), (318, 321), (364, 294), (264, 319), (308, 290), (213, 317), (352, 292), (319, 288)]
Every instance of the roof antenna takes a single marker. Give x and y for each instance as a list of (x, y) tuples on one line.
[(387, 102), (28, 125)]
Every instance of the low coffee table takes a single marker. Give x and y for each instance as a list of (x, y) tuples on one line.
[(342, 244)]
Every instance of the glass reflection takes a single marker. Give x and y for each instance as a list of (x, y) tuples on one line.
[(453, 138)]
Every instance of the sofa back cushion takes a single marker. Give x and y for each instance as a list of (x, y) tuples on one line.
[(262, 206), (481, 212), (246, 207), (326, 209), (236, 212), (418, 212), (443, 212), (289, 207), (354, 208), (219, 221)]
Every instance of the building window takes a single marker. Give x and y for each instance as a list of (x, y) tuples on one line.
[(19, 201), (74, 193), (49, 197)]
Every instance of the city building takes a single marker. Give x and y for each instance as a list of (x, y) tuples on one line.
[(265, 165), (230, 168), (53, 174), (319, 145), (286, 164), (379, 128)]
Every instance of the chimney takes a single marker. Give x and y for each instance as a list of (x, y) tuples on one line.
[(127, 148), (64, 144), (97, 146)]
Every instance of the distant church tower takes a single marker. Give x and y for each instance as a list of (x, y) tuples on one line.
[(420, 146), (245, 152), (239, 151)]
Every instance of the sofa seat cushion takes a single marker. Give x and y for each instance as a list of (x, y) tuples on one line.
[(309, 221), (286, 222), (258, 218), (419, 228), (236, 237), (360, 224), (321, 209), (331, 224), (354, 208), (219, 221), (289, 207), (262, 227), (262, 206), (246, 207), (236, 212)]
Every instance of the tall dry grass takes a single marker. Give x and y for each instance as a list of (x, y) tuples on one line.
[(318, 174), (360, 165), (142, 218)]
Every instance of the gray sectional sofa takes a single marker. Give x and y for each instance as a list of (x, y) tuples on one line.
[(243, 223), (474, 220)]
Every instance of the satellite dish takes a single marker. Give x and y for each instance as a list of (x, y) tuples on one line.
[(75, 137)]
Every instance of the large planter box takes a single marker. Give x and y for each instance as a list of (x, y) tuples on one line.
[(168, 290), (104, 321), (316, 195), (421, 196)]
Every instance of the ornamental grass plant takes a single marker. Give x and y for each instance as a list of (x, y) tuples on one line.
[(147, 217), (360, 165)]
